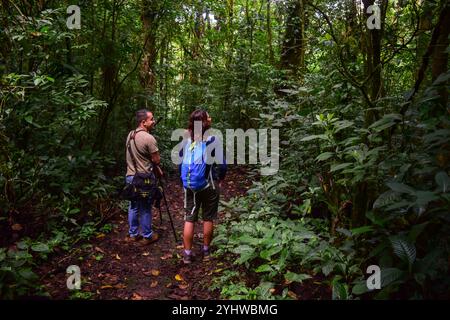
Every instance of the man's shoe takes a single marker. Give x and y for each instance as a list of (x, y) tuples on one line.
[(131, 239), (153, 238)]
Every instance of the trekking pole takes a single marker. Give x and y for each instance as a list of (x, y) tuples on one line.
[(160, 216), (168, 211)]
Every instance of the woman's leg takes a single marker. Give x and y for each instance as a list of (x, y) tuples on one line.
[(208, 230), (188, 235)]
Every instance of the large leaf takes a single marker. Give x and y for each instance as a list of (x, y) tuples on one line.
[(28, 274), (400, 187), (264, 268), (340, 166), (387, 121), (425, 197), (324, 156), (361, 230), (246, 253), (360, 288), (340, 125), (403, 249), (443, 181), (339, 290), (266, 254), (295, 277), (390, 275), (40, 247)]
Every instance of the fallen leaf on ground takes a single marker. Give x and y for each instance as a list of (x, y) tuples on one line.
[(167, 256), (153, 284), (99, 250), (136, 296), (117, 256), (106, 287), (120, 286), (179, 278), (292, 295), (100, 235), (146, 254), (155, 272)]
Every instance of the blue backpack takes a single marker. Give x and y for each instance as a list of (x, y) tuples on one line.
[(194, 168)]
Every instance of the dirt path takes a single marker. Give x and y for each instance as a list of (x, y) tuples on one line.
[(112, 268)]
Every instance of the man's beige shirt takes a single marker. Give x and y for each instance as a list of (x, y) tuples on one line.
[(146, 145)]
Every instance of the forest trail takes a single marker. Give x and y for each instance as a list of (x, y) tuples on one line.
[(112, 268)]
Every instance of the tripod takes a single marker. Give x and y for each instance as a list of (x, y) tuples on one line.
[(160, 183)]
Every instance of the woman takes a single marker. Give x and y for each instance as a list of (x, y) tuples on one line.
[(200, 182)]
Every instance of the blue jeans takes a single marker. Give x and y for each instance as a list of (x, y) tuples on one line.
[(140, 212)]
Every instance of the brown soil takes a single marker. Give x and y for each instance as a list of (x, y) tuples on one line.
[(112, 268)]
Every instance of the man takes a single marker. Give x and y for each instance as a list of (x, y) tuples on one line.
[(201, 184), (144, 158)]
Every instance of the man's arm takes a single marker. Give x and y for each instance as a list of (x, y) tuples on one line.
[(155, 157), (156, 160)]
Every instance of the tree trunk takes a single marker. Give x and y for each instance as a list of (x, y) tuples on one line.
[(440, 56), (293, 48), (269, 33), (372, 65), (150, 25)]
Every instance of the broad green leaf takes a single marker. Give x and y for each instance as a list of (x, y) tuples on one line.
[(340, 125), (295, 277), (29, 119), (22, 245), (324, 156), (361, 230), (264, 268), (340, 166), (385, 199), (268, 253), (390, 275), (246, 253), (443, 181), (28, 274), (360, 288), (425, 197), (40, 247), (400, 187), (403, 249), (339, 291), (387, 121)]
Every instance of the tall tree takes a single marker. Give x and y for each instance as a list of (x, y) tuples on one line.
[(293, 47)]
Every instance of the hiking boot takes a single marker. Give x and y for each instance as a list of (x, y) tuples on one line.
[(131, 239), (153, 238), (187, 258)]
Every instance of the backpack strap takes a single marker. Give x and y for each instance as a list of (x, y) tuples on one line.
[(130, 150)]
